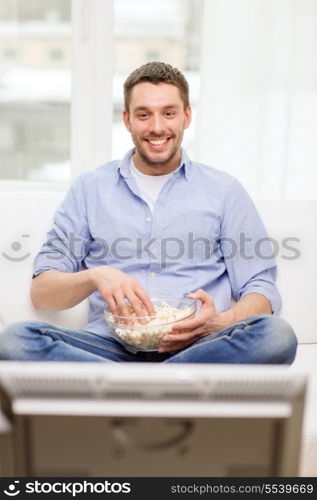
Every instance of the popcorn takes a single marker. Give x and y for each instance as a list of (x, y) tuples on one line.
[(147, 336)]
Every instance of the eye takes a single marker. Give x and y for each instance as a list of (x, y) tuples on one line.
[(142, 115), (170, 114)]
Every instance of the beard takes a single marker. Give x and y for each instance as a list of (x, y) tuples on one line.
[(158, 159)]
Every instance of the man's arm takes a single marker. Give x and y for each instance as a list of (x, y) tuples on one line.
[(57, 290), (250, 305), (60, 282), (210, 321)]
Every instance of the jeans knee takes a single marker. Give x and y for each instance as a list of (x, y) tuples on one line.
[(13, 337), (284, 340)]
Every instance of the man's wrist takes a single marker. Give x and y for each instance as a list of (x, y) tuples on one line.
[(91, 278), (224, 319)]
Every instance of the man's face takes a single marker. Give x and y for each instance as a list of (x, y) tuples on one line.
[(156, 120)]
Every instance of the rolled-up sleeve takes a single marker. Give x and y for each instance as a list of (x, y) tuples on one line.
[(67, 243), (247, 250)]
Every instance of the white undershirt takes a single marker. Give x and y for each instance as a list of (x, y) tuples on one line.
[(149, 185)]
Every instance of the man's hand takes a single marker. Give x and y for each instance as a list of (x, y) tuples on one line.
[(115, 286), (210, 321), (190, 330)]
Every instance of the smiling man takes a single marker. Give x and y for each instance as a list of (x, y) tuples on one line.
[(156, 220), (156, 117)]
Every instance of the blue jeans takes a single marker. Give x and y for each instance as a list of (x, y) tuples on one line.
[(258, 339)]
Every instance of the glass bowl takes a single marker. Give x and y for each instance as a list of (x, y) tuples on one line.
[(145, 333)]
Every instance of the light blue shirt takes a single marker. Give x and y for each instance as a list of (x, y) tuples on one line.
[(204, 232)]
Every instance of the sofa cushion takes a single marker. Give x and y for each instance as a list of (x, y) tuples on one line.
[(297, 277), (25, 216)]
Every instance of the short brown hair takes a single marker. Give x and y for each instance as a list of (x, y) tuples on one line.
[(156, 72)]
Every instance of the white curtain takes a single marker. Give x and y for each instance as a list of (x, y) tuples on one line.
[(257, 115)]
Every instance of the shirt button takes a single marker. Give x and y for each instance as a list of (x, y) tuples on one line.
[(148, 219), (153, 275)]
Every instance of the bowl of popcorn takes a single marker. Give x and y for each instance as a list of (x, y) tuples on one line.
[(144, 333)]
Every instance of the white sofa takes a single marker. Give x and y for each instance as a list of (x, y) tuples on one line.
[(25, 215)]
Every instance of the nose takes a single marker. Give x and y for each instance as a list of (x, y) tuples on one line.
[(157, 124)]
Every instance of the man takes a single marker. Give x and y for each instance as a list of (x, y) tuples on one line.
[(157, 220)]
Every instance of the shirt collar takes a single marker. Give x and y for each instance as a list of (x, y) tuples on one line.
[(185, 169)]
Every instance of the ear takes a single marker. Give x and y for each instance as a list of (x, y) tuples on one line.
[(126, 120), (188, 116)]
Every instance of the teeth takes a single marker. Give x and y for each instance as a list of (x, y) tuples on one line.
[(159, 142)]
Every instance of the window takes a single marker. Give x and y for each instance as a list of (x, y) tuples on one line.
[(61, 96), (56, 54), (10, 53), (152, 55), (35, 89)]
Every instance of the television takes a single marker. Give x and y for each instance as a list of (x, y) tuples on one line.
[(152, 420)]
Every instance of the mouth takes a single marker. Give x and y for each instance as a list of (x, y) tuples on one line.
[(158, 144)]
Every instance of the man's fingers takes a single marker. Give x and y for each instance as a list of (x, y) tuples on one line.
[(206, 312), (177, 346), (199, 294), (136, 304), (146, 301), (121, 301), (121, 304), (203, 296), (189, 324), (112, 305), (192, 324), (170, 337)]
